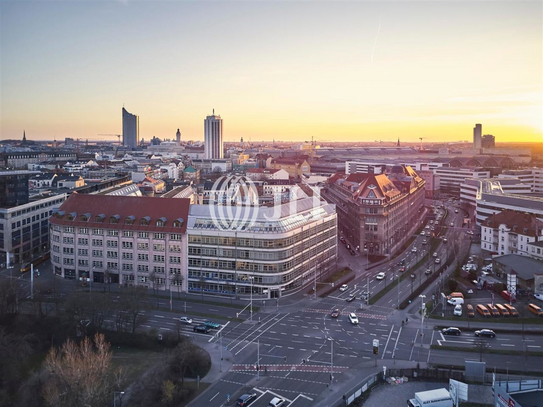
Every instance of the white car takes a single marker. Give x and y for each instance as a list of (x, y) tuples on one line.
[(424, 241), (344, 287), (538, 296), (423, 233), (438, 261), (444, 240), (353, 319), (458, 310), (435, 254), (414, 250), (452, 224), (380, 276), (185, 320)]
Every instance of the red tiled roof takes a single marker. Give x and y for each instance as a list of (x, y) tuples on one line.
[(170, 208)]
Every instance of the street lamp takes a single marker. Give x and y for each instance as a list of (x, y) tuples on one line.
[(422, 297), (331, 361), (251, 278), (398, 277), (120, 393)]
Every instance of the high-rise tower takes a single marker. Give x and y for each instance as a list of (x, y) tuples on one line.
[(178, 137), (477, 132), (131, 129), (213, 137)]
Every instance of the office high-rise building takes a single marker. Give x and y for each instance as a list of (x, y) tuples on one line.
[(488, 141), (131, 129), (213, 137), (178, 137), (477, 139)]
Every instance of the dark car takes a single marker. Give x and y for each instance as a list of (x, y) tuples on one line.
[(350, 298), (485, 332), (451, 331), (246, 399), (401, 269), (342, 239), (353, 253), (335, 313), (211, 324), (202, 329)]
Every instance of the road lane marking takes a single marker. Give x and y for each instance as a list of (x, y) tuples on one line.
[(386, 345), (214, 396), (158, 316)]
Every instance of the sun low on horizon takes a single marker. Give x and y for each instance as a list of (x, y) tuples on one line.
[(274, 70)]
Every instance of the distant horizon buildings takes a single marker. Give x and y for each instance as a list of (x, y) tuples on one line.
[(131, 129), (477, 136), (213, 137)]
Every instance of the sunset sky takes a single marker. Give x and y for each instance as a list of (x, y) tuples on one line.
[(283, 70)]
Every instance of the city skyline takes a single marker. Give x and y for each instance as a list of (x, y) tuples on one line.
[(360, 71)]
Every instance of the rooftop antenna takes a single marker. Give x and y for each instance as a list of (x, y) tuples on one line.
[(213, 112)]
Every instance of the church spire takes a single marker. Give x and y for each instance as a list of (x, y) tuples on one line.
[(398, 145), (24, 137)]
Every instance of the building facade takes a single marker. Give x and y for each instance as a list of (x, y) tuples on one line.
[(270, 251), (377, 212), (472, 188), (510, 232), (213, 137), (135, 241), (450, 179), (131, 129), (295, 167), (493, 202), (477, 136)]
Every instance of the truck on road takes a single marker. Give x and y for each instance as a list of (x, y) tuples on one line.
[(431, 398)]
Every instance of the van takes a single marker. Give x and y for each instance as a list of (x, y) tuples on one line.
[(507, 296), (455, 295), (483, 311), (534, 309), (512, 310), (471, 314), (456, 301), (493, 310), (503, 311)]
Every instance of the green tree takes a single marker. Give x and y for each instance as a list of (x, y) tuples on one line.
[(168, 391)]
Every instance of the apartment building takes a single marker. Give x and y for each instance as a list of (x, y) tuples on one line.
[(269, 251), (133, 241), (510, 232), (377, 212)]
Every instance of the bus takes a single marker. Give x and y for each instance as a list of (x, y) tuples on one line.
[(27, 266)]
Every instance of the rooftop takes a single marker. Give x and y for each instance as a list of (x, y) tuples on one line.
[(518, 222), (524, 266)]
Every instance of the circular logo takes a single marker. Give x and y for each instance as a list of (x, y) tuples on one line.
[(233, 203)]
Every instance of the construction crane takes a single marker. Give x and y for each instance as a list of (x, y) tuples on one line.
[(115, 135)]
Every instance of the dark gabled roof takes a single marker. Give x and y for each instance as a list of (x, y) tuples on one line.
[(521, 223), (107, 206)]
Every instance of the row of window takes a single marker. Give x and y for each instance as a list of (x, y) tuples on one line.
[(114, 220)]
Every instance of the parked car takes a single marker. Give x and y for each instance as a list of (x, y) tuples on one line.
[(458, 310), (538, 296), (351, 298), (335, 313), (353, 319), (246, 399), (485, 332), (451, 331), (380, 276), (344, 287), (202, 329), (212, 325), (276, 402), (185, 320)]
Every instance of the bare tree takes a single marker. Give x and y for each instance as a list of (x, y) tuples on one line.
[(81, 375), (178, 280), (133, 301)]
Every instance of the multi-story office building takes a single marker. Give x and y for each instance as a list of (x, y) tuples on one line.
[(131, 129), (488, 141), (20, 160), (509, 232), (132, 241), (472, 188), (213, 137), (495, 201), (531, 176), (24, 230), (450, 179), (477, 133), (377, 212), (271, 251)]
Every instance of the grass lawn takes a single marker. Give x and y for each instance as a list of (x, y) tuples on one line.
[(135, 361)]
